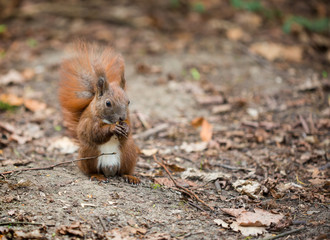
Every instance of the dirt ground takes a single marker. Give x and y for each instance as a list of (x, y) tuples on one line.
[(269, 124)]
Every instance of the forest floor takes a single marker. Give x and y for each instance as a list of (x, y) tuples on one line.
[(243, 128)]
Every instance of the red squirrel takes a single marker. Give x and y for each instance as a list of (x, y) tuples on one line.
[(95, 110)]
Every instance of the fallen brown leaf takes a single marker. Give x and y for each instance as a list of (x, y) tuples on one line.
[(34, 105), (64, 144), (233, 211), (149, 152), (248, 187), (247, 231), (28, 73), (195, 174), (197, 122), (206, 128), (258, 218), (210, 100), (35, 234), (235, 34), (73, 229), (249, 19), (206, 131), (11, 99), (169, 183), (273, 51), (221, 108), (145, 69), (221, 223), (193, 147), (175, 168), (12, 76)]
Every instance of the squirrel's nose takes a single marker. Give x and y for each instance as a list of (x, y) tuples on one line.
[(122, 117)]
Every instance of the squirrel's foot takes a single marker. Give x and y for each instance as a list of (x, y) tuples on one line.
[(131, 179), (100, 178)]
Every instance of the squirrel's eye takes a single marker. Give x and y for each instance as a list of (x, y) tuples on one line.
[(128, 102), (108, 103)]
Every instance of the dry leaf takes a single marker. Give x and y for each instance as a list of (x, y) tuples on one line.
[(35, 234), (221, 108), (34, 105), (210, 100), (175, 168), (319, 182), (206, 131), (193, 147), (258, 218), (20, 139), (235, 212), (197, 122), (15, 162), (251, 188), (169, 183), (65, 145), (206, 128), (149, 152), (141, 230), (11, 99), (28, 73), (117, 234), (145, 69), (73, 229), (221, 223), (7, 127), (273, 51), (195, 174), (247, 231), (164, 181), (32, 131), (12, 76), (249, 19), (235, 34)]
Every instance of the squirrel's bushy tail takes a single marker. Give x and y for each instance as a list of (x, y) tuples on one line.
[(78, 79)]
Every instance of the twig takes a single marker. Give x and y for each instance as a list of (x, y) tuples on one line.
[(283, 234), (25, 223), (187, 191), (73, 11), (151, 131), (102, 223), (217, 185), (312, 125), (231, 167), (55, 165), (194, 205), (250, 124), (304, 124), (142, 119)]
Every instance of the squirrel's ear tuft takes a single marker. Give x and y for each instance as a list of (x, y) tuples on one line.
[(123, 82), (101, 86)]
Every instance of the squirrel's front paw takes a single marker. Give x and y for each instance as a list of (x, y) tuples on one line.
[(122, 129)]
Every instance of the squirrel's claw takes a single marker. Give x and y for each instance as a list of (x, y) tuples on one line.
[(99, 177), (131, 179), (122, 130)]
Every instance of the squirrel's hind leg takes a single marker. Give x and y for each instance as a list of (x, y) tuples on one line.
[(88, 166), (99, 177)]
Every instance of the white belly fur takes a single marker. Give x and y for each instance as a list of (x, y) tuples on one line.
[(109, 164)]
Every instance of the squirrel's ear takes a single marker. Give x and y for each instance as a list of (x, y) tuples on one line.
[(123, 82), (102, 86)]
